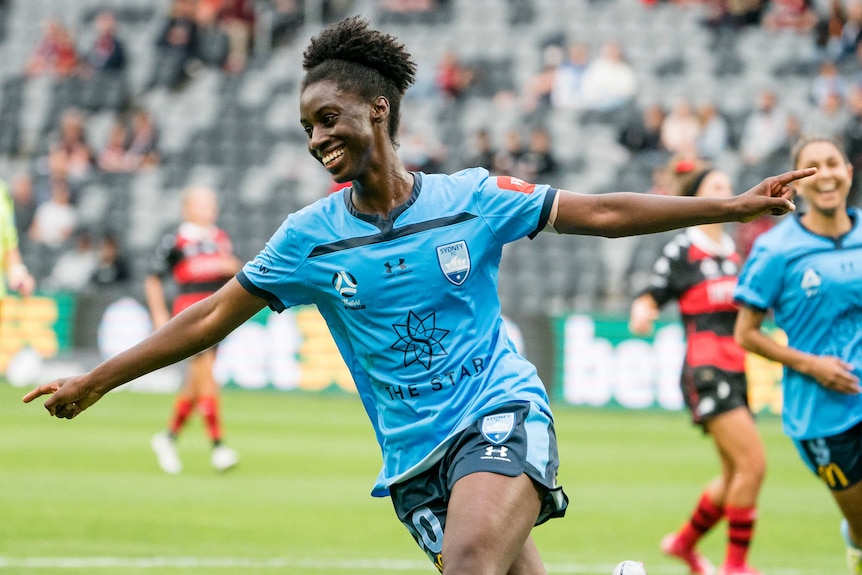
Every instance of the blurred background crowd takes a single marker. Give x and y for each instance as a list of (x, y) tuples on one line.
[(110, 108)]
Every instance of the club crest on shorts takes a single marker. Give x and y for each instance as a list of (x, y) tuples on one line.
[(498, 427), (454, 260)]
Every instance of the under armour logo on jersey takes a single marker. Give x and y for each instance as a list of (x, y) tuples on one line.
[(499, 453), (810, 282), (400, 265)]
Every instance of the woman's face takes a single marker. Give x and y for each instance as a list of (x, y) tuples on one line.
[(827, 190), (716, 184), (341, 129)]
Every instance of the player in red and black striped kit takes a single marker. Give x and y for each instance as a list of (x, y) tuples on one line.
[(199, 256), (698, 269)]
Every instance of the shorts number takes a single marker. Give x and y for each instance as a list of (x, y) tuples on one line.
[(429, 530)]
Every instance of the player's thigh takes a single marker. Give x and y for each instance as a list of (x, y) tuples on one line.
[(737, 438), (489, 519)]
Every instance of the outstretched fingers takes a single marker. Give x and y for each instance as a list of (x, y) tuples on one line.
[(46, 389), (793, 175)]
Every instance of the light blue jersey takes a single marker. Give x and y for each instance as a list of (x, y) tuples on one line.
[(412, 304), (813, 284)]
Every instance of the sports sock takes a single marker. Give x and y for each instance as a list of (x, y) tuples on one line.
[(740, 531), (209, 408), (182, 409), (705, 516)]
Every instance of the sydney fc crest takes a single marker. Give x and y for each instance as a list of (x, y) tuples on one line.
[(454, 261), (498, 427)]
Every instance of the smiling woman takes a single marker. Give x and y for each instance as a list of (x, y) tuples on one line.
[(807, 270), (463, 420)]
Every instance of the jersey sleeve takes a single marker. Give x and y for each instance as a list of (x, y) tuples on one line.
[(668, 268), (276, 274), (759, 282), (514, 208), (165, 256)]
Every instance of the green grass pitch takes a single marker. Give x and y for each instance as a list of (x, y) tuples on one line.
[(87, 497)]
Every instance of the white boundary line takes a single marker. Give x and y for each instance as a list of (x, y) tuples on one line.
[(284, 563)]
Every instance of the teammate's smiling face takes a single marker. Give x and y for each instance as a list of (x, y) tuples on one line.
[(827, 190), (340, 128)]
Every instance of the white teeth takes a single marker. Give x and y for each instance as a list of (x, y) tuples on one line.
[(332, 156)]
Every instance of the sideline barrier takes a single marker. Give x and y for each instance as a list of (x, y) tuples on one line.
[(599, 363), (41, 323)]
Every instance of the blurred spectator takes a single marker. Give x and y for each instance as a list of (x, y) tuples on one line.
[(609, 82), (680, 129), (143, 151), (642, 133), (829, 118), (111, 268), (176, 45), (407, 6), (765, 129), (75, 266), (419, 152), (70, 148), (852, 138), (567, 92), (795, 15), (112, 157), (453, 77), (483, 152), (538, 88), (286, 19), (828, 82), (851, 31), (538, 163), (54, 220), (733, 14), (55, 53), (507, 161), (107, 54), (714, 136), (24, 205), (238, 19), (827, 32), (212, 44)]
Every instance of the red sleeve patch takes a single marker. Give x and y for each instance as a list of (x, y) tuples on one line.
[(515, 184)]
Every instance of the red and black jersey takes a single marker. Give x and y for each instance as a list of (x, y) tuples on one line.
[(701, 275), (194, 256)]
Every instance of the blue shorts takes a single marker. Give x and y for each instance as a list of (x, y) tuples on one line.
[(836, 459), (514, 439)]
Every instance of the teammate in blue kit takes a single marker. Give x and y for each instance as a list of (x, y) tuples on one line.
[(808, 271), (403, 267)]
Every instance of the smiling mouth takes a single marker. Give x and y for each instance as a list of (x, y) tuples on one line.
[(332, 156)]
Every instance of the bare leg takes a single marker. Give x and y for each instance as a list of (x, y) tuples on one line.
[(741, 449), (850, 503), (490, 517)]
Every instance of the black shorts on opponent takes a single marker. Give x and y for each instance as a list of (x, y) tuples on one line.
[(709, 391), (836, 459), (512, 440)]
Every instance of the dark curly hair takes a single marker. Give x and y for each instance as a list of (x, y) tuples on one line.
[(363, 61)]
